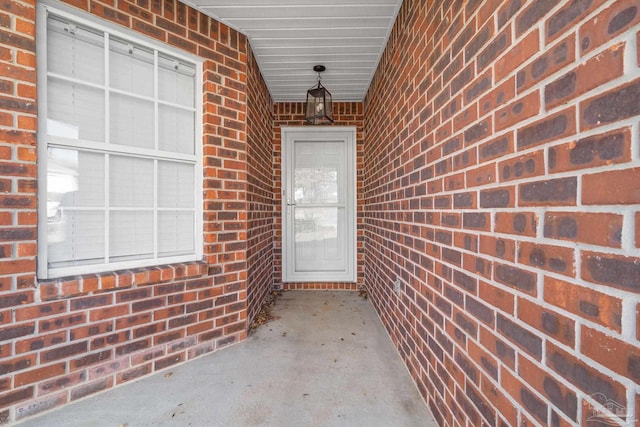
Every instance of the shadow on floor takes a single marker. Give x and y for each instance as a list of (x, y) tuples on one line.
[(325, 360)]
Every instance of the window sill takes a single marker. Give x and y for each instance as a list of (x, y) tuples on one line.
[(66, 287)]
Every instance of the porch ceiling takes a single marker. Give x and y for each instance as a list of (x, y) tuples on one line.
[(289, 37)]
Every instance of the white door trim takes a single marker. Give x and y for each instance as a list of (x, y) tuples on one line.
[(290, 134)]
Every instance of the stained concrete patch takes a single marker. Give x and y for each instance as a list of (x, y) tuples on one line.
[(324, 360)]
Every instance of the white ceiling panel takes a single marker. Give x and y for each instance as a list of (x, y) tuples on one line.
[(289, 37)]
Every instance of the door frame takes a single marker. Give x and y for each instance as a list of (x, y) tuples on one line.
[(347, 134)]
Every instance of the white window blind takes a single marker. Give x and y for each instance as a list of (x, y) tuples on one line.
[(122, 121)]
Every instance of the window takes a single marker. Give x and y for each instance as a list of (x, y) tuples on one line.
[(119, 154)]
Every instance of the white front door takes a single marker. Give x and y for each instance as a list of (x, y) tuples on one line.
[(318, 204)]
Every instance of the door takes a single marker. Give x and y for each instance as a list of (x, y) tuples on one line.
[(318, 204)]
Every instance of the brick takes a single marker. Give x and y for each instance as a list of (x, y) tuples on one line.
[(620, 356), (502, 350), (521, 223), (64, 351), (497, 297), (39, 374), (109, 340), (597, 71), (516, 278), (496, 148), (148, 329), (133, 373), (533, 14), (481, 176), (483, 407), (497, 397), (39, 342), (552, 60), (621, 15), (517, 55), (554, 192), (517, 111), (549, 386), (91, 388), (585, 377), (91, 330), (550, 128), (483, 359), (476, 220), (466, 117), (480, 311), (566, 17), (168, 361), (62, 322), (17, 364), (600, 150), (497, 247), (614, 105), (526, 166), (12, 332), (637, 229), (479, 86), (497, 96), (612, 270), (34, 407), (108, 312), (90, 359), (464, 200), (132, 347), (547, 321), (587, 303), (498, 198), (592, 228), (494, 49), (7, 399), (467, 367), (611, 187), (134, 320), (520, 336), (556, 259), (480, 39), (477, 132)]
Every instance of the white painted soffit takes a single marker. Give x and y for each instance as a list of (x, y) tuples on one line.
[(289, 37)]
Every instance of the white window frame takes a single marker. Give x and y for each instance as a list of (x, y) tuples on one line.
[(45, 8)]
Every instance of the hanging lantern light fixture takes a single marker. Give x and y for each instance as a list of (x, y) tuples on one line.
[(319, 107)]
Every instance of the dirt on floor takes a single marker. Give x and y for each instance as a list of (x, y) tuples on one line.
[(265, 315)]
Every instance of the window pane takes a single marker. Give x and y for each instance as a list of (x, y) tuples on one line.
[(176, 131), (75, 51), (75, 111), (131, 121), (130, 235), (130, 67), (74, 179), (176, 233), (75, 237), (175, 185), (130, 182), (115, 190), (176, 81)]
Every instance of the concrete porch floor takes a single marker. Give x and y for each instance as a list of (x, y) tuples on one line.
[(324, 361)]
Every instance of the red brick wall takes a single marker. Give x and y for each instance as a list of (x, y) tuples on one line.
[(260, 195), (62, 340), (292, 114), (502, 188)]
